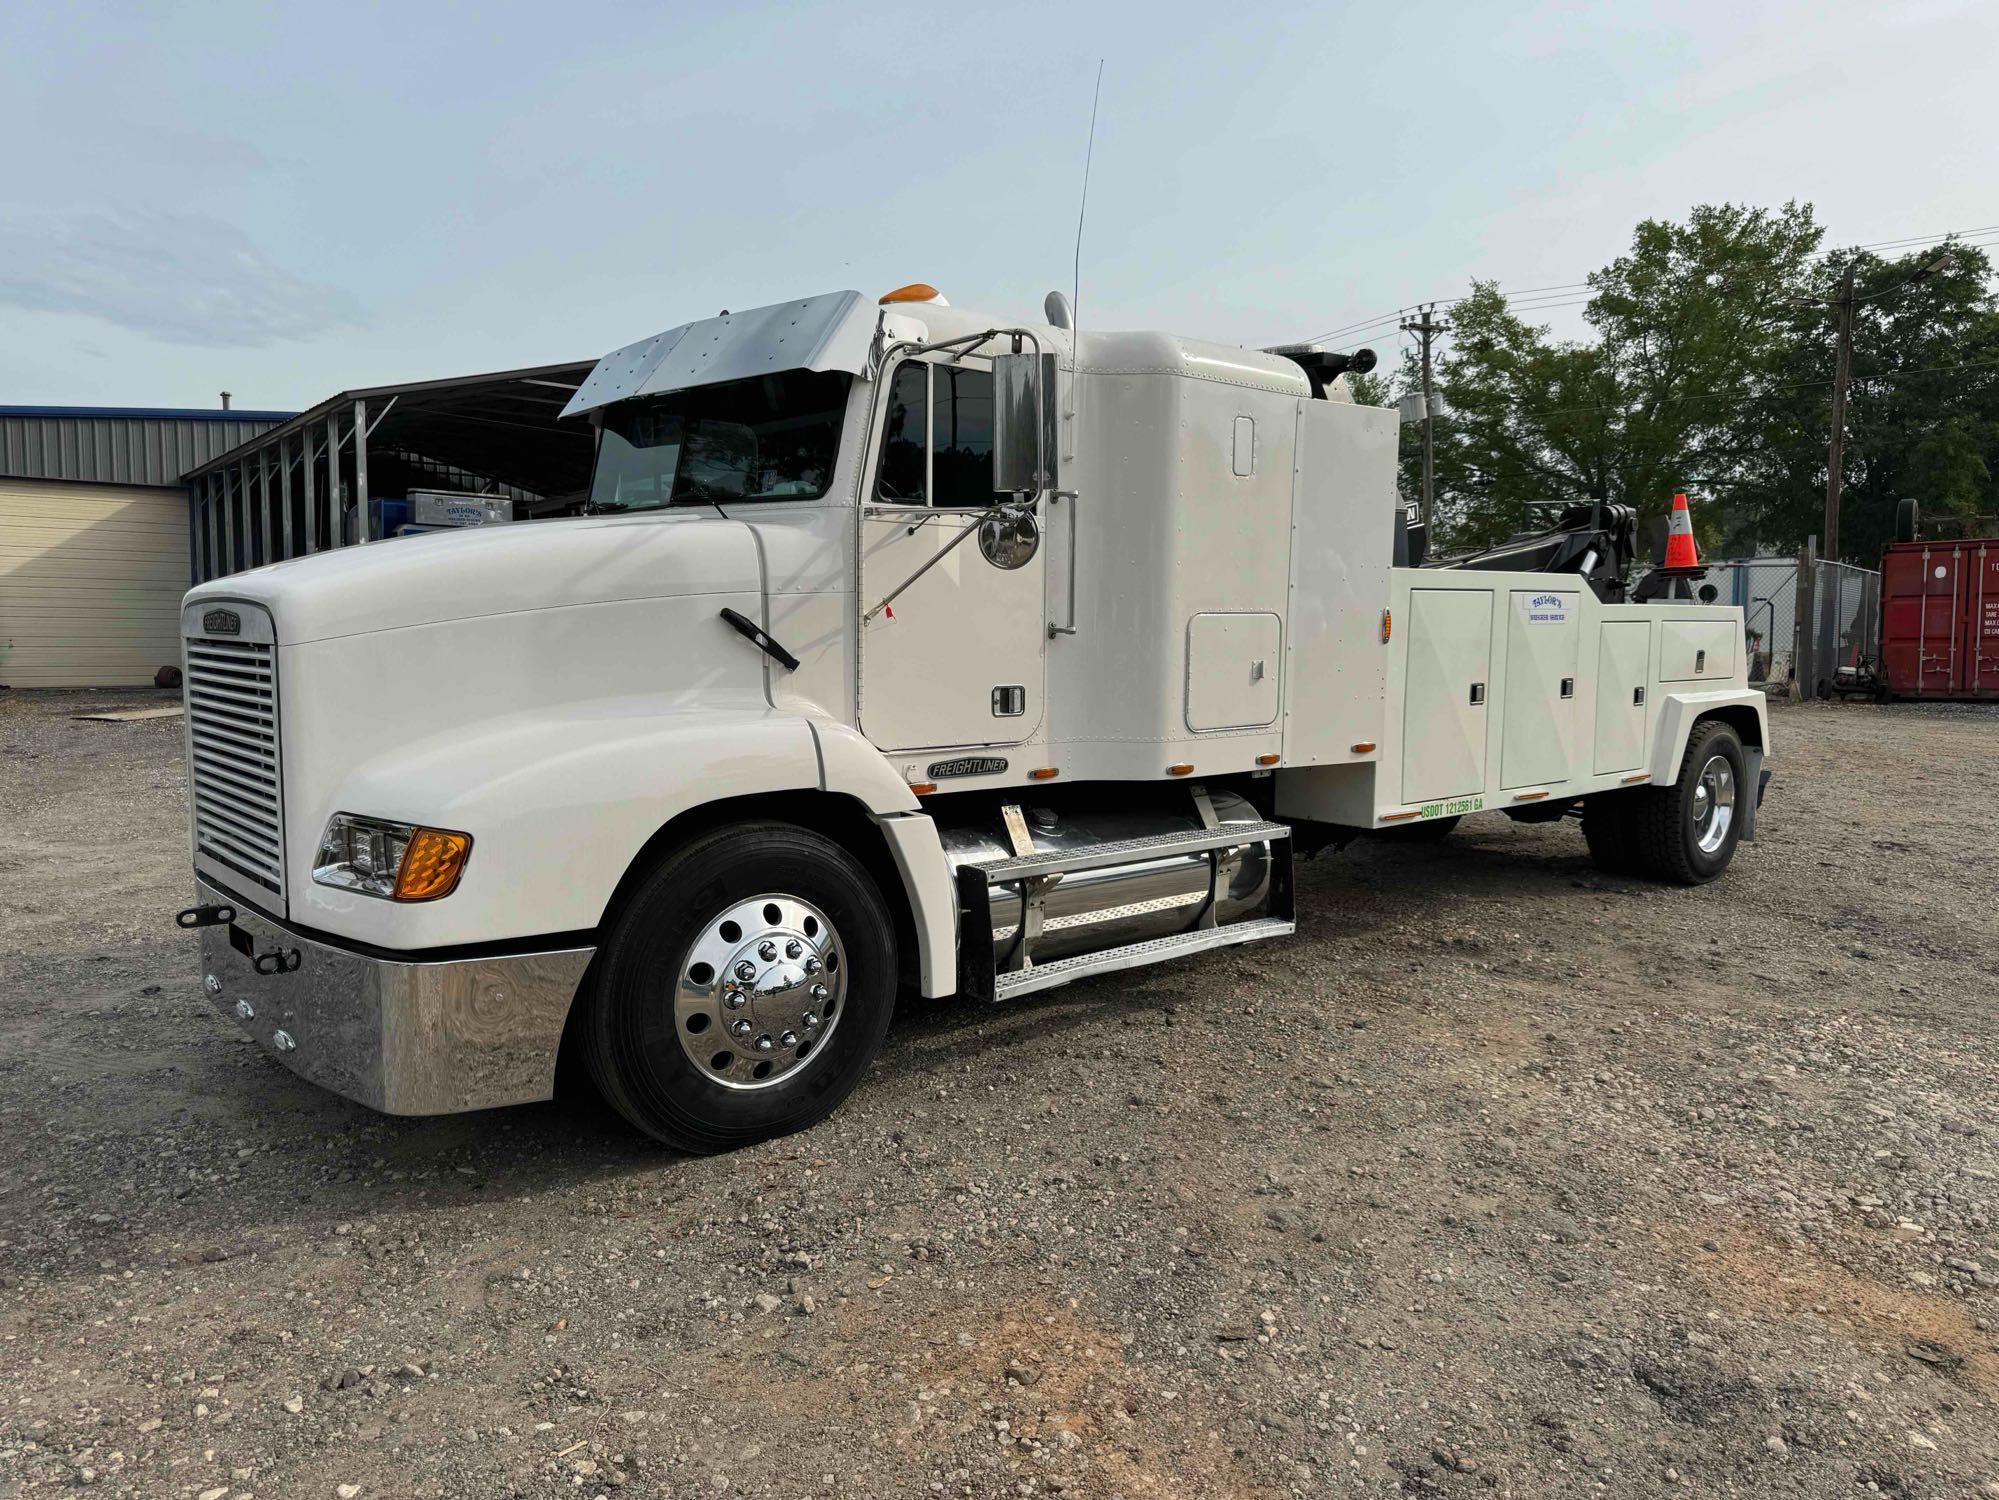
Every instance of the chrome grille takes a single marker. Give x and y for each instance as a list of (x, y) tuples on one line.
[(233, 763)]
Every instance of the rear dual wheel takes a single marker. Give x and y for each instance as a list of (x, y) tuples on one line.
[(744, 989), (1686, 832)]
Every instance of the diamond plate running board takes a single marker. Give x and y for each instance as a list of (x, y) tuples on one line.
[(1136, 955)]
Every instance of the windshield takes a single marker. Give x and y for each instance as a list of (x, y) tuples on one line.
[(772, 437)]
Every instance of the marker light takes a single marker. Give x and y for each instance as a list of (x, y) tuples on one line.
[(432, 864), (916, 291)]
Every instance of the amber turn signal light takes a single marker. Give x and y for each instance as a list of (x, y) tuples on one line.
[(1363, 747), (923, 788), (1268, 760), (1045, 773), (1183, 769), (432, 864)]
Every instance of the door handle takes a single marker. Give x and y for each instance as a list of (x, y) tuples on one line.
[(1477, 694), (1568, 687)]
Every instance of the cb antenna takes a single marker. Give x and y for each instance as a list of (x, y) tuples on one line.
[(1089, 151)]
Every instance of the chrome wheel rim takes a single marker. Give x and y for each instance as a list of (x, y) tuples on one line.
[(760, 991), (1714, 804)]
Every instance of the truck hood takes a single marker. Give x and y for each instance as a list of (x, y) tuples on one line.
[(458, 575)]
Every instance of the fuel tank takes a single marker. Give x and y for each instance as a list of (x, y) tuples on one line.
[(1091, 910)]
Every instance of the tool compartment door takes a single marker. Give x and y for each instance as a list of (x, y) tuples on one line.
[(1692, 649), (1444, 691), (1624, 659), (1538, 732), (1232, 665)]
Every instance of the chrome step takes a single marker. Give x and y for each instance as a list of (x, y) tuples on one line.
[(1156, 950), (1131, 851)]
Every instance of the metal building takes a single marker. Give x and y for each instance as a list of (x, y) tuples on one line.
[(94, 536)]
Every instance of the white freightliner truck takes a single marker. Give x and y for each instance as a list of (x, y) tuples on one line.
[(902, 649)]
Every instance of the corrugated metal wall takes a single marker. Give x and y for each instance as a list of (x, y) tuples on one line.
[(106, 448), (90, 583)]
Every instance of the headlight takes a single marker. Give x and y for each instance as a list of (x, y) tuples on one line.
[(397, 861)]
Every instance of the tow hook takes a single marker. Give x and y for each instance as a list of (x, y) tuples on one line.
[(277, 961), (205, 916)]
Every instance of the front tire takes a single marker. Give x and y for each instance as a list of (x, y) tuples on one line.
[(744, 990)]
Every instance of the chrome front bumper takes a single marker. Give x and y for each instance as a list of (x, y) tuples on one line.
[(404, 1038)]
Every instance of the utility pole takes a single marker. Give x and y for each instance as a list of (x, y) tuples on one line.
[(1425, 328), (1842, 375)]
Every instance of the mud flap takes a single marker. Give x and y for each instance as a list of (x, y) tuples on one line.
[(1753, 773)]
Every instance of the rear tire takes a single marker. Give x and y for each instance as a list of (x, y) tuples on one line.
[(658, 1039), (1687, 833), (1610, 830)]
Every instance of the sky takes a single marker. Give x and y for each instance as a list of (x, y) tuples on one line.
[(285, 201)]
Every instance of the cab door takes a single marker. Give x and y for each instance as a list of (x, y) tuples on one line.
[(956, 660)]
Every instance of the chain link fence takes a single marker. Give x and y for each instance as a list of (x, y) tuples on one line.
[(1843, 630), (1847, 606), (1766, 588)]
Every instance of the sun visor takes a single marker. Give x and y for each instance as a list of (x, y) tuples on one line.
[(831, 332)]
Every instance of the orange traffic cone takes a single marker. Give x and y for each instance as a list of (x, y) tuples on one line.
[(1680, 551)]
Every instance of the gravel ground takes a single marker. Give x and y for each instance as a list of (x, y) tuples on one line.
[(1503, 1178)]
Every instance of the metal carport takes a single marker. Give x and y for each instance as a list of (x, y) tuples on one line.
[(307, 486)]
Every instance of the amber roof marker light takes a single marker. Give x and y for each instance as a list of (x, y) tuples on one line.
[(916, 291)]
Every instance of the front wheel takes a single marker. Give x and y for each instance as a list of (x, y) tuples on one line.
[(744, 990)]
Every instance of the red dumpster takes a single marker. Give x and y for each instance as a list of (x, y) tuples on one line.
[(1940, 619)]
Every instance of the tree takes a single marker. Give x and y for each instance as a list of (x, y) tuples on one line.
[(1923, 407), (1692, 326), (1709, 370)]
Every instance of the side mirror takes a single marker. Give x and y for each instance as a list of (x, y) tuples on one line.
[(1024, 425)]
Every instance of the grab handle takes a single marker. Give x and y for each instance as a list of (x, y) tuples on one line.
[(1070, 629)]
